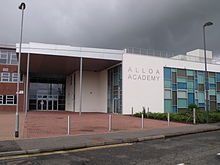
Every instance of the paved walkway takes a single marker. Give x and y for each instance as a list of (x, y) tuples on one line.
[(7, 124), (36, 145), (50, 124)]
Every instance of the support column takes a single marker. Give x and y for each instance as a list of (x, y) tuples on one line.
[(27, 84), (80, 86)]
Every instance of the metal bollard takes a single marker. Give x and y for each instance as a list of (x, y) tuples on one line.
[(132, 110), (110, 123), (68, 125), (142, 120), (194, 116), (17, 125), (168, 119)]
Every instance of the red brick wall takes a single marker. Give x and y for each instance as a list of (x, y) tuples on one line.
[(11, 68), (7, 88)]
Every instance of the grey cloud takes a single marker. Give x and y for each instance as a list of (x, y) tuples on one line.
[(156, 24)]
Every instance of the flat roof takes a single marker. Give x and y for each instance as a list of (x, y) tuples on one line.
[(70, 51), (7, 46)]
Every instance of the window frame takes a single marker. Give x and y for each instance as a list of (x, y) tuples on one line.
[(1, 99), (5, 78), (10, 99)]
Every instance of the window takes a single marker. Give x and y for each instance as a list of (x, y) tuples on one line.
[(14, 77), (5, 77), (1, 99), (13, 58), (181, 72), (10, 99), (167, 94), (9, 77), (7, 99), (182, 94), (8, 57), (3, 57)]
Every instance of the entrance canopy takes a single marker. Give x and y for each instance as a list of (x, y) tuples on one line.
[(59, 59)]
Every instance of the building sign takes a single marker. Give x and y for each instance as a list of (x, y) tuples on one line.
[(143, 74)]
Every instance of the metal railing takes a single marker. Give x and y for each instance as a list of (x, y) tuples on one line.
[(166, 54)]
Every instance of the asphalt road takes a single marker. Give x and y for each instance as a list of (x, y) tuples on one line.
[(197, 149)]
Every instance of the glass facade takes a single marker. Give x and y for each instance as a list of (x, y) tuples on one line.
[(183, 87), (115, 90), (47, 92)]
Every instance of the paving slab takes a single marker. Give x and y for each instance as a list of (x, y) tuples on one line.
[(53, 124), (37, 145)]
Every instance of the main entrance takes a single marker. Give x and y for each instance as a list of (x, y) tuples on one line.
[(47, 102), (47, 92)]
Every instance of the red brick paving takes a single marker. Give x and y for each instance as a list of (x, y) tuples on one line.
[(7, 124), (49, 124)]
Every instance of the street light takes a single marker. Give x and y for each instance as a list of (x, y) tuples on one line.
[(206, 73), (22, 8)]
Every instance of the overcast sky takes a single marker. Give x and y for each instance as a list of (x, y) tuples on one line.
[(170, 25)]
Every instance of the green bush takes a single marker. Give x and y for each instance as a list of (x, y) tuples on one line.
[(185, 117)]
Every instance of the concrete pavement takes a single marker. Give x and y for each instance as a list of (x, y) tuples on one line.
[(24, 146)]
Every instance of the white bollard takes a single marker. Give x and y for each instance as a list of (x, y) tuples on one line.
[(68, 125), (168, 119), (194, 116), (110, 123), (142, 120)]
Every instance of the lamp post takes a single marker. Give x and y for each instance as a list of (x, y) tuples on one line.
[(22, 8), (206, 73)]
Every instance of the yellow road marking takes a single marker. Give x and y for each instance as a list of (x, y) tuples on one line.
[(63, 152)]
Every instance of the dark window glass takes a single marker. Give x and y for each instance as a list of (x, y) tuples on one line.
[(211, 74), (201, 87), (173, 77), (174, 97), (218, 86), (212, 105), (190, 78), (181, 72), (212, 97)]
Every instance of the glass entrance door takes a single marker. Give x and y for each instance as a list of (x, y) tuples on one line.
[(47, 102)]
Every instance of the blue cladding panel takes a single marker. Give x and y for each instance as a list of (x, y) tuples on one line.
[(218, 77), (167, 73), (167, 84), (201, 79), (218, 98), (168, 105), (201, 72), (196, 84), (174, 109), (191, 99), (190, 73), (182, 103), (174, 87), (201, 97), (201, 104), (212, 85), (182, 85)]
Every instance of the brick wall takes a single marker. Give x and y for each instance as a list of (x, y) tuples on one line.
[(10, 88)]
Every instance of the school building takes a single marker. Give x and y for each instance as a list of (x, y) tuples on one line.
[(67, 78)]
